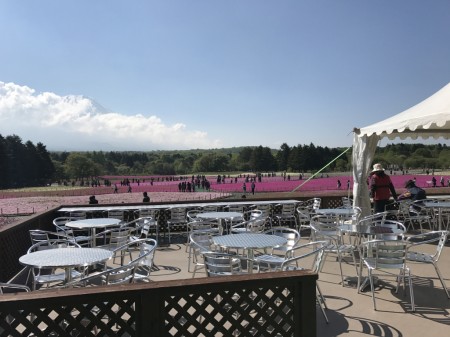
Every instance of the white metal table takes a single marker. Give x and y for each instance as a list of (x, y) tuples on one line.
[(249, 242), (92, 225), (221, 216), (339, 213), (439, 205), (66, 258)]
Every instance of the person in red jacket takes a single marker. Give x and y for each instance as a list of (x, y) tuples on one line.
[(381, 188)]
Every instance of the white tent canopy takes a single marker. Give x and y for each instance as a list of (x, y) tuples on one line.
[(429, 118)]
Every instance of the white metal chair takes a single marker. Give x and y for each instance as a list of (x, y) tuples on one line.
[(191, 216), (177, 218), (116, 214), (384, 256), (266, 212), (315, 250), (148, 225), (50, 276), (291, 235), (237, 209), (209, 208), (199, 243), (115, 239), (144, 261), (257, 225), (325, 229), (120, 275), (347, 202), (288, 214), (303, 217), (82, 237), (13, 288), (412, 214), (223, 264), (39, 235), (272, 262), (77, 215), (439, 237), (397, 230)]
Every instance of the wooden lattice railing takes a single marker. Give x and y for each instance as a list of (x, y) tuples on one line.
[(268, 304)]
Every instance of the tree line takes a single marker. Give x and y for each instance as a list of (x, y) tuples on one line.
[(305, 158), (26, 164)]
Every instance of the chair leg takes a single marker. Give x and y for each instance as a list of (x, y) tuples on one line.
[(438, 272), (411, 291), (321, 302), (372, 288)]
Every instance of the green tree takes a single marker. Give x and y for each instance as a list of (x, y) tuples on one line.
[(283, 156), (78, 165)]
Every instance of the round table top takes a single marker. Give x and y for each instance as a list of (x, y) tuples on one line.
[(219, 215), (336, 211), (367, 229), (438, 204), (249, 241), (65, 257), (93, 223)]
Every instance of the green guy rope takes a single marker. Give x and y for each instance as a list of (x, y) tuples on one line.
[(295, 189)]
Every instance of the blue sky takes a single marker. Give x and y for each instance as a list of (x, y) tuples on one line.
[(180, 74)]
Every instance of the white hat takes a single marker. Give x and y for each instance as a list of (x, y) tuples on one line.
[(378, 167)]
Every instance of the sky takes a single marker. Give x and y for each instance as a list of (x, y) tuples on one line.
[(144, 75)]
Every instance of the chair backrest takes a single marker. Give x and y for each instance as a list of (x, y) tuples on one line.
[(146, 212), (313, 204), (201, 241), (252, 214), (347, 202), (221, 264), (397, 228), (441, 244), (291, 235), (60, 224), (257, 225), (37, 235), (369, 220), (119, 275), (210, 227), (313, 248), (147, 252), (77, 215), (119, 236), (62, 220), (192, 214), (178, 214), (144, 261), (288, 209), (304, 215), (52, 244), (265, 209), (13, 288), (325, 228), (116, 214), (145, 224), (235, 208), (431, 238), (386, 254), (209, 208)]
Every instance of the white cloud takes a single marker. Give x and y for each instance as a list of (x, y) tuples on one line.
[(78, 123)]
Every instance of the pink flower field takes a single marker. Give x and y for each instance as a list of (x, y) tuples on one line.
[(30, 201)]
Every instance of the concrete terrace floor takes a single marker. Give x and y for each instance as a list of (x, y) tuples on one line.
[(350, 313)]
